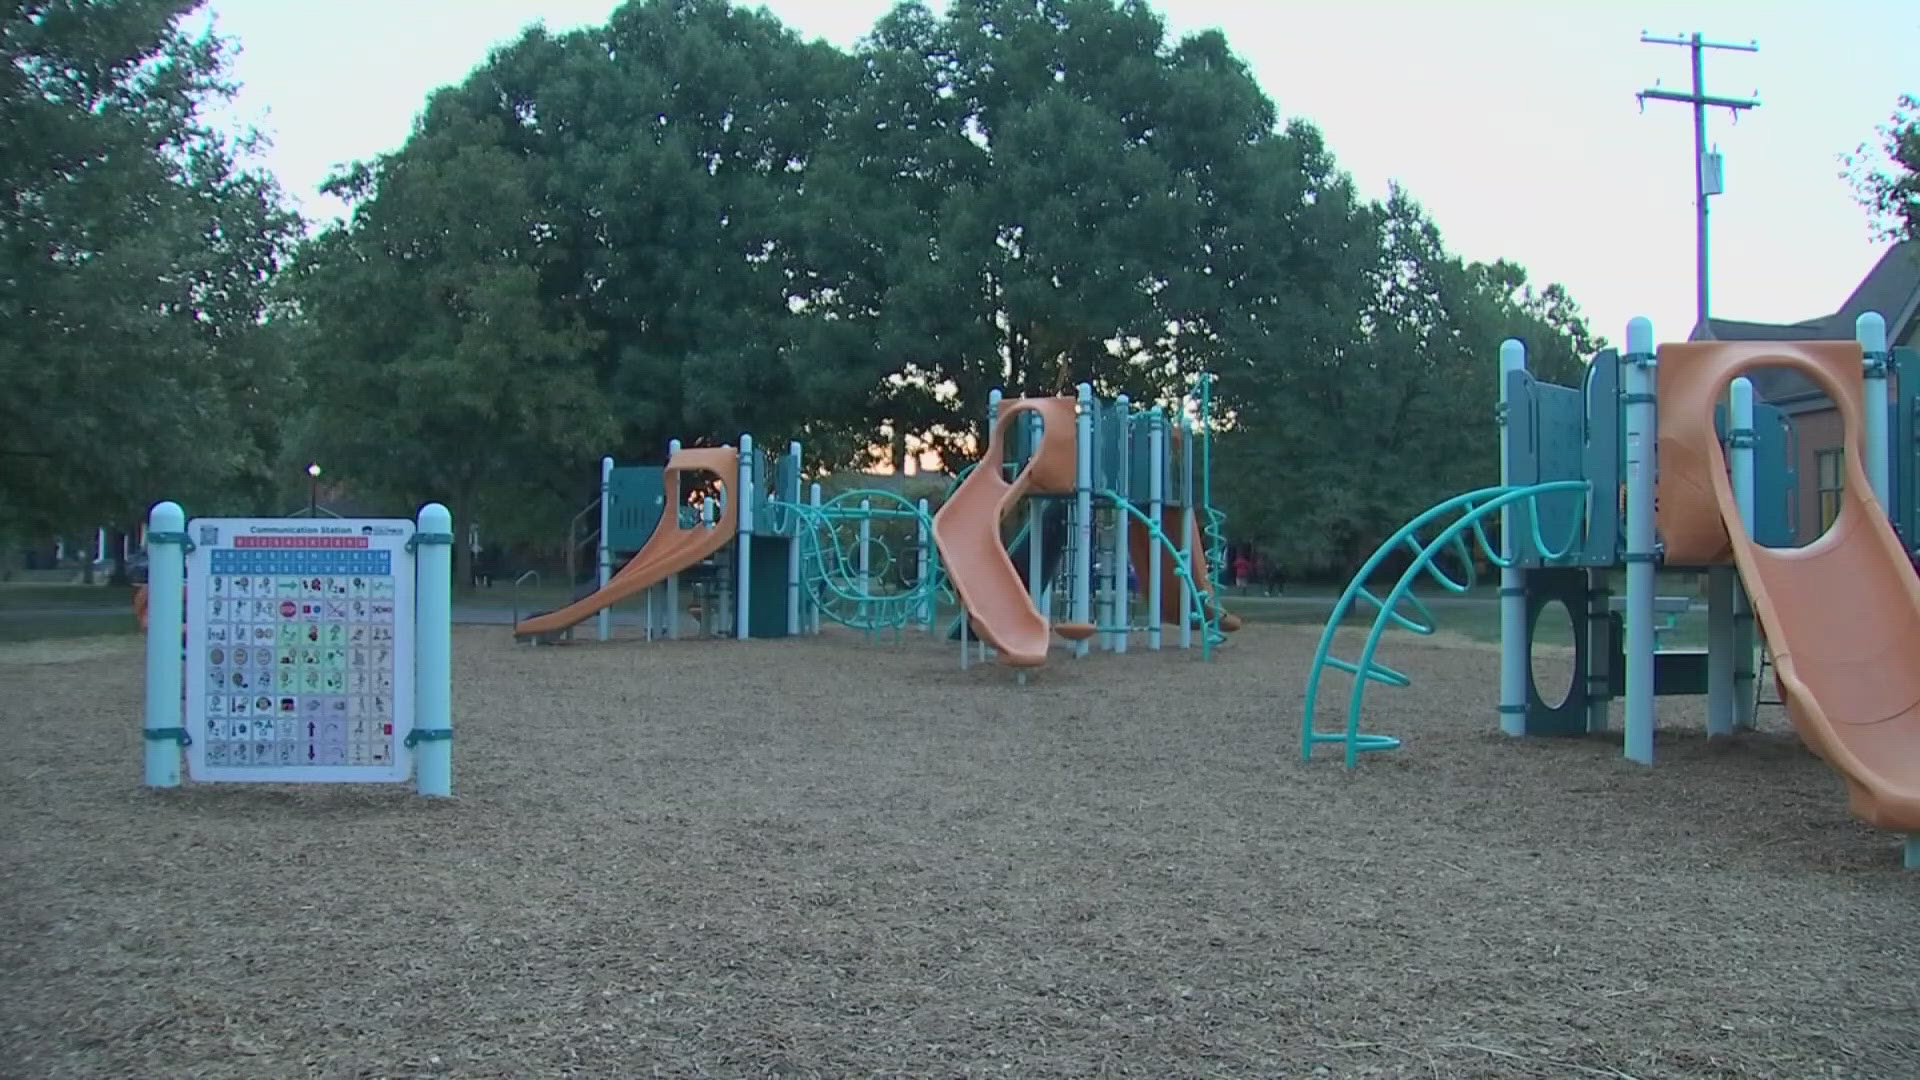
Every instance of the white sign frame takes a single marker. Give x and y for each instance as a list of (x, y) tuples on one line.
[(329, 551)]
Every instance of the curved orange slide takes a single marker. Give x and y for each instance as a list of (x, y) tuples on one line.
[(967, 530), (668, 551), (1173, 601), (1842, 614)]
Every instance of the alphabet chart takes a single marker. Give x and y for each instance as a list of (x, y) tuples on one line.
[(299, 649)]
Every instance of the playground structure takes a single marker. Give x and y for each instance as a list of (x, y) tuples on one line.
[(1104, 485), (1663, 459), (1132, 487), (773, 565)]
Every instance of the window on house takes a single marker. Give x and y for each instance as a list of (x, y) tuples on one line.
[(1830, 465)]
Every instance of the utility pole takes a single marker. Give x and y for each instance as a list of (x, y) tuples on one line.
[(1700, 100)]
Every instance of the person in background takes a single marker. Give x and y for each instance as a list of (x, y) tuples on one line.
[(1242, 568)]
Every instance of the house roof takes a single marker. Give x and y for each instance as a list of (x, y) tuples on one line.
[(1891, 288)]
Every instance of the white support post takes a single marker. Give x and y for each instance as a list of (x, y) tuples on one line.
[(1871, 331), (792, 496), (813, 611), (1189, 603), (927, 600), (1513, 580), (672, 506), (1638, 382), (164, 726), (605, 618), (1083, 515), (432, 735), (748, 494), (1156, 494), (1743, 438), (1119, 611)]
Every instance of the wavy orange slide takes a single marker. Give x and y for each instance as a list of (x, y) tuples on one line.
[(967, 530), (1841, 614), (671, 549), (1173, 601)]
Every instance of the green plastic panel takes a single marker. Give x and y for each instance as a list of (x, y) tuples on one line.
[(1546, 442), (1605, 460), (635, 496), (767, 589), (1904, 434), (1569, 586)]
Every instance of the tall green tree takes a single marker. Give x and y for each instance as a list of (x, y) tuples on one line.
[(596, 242), (135, 249), (1079, 200), (1332, 447)]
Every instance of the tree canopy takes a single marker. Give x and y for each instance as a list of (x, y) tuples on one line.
[(689, 223), (135, 253), (1886, 178)]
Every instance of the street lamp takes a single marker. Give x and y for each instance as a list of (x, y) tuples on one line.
[(313, 490)]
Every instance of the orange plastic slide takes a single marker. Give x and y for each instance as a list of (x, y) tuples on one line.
[(668, 551), (1842, 614), (967, 530), (1140, 544)]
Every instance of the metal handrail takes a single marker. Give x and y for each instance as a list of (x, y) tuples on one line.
[(517, 582)]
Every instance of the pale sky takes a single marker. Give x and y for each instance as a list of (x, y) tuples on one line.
[(1513, 123)]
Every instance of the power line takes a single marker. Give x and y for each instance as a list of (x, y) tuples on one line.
[(1701, 101)]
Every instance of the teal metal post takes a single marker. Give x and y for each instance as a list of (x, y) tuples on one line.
[(748, 494), (924, 580), (1119, 610), (1189, 603), (433, 652), (1641, 419), (866, 564), (1083, 514), (1036, 585), (672, 507), (813, 500), (792, 496), (605, 619), (1513, 592), (1742, 437), (1156, 496), (164, 726), (1720, 648)]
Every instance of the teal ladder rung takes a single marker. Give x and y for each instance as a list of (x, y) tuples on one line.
[(1379, 673)]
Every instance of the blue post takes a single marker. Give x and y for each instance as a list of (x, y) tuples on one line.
[(165, 730), (748, 494), (604, 547), (1741, 436), (1083, 513), (432, 734), (1120, 608), (792, 495), (1870, 329), (1513, 580), (672, 506), (1156, 498), (1642, 435)]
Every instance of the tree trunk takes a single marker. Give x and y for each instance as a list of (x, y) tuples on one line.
[(899, 449)]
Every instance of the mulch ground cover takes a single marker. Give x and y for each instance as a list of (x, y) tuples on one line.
[(840, 858)]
